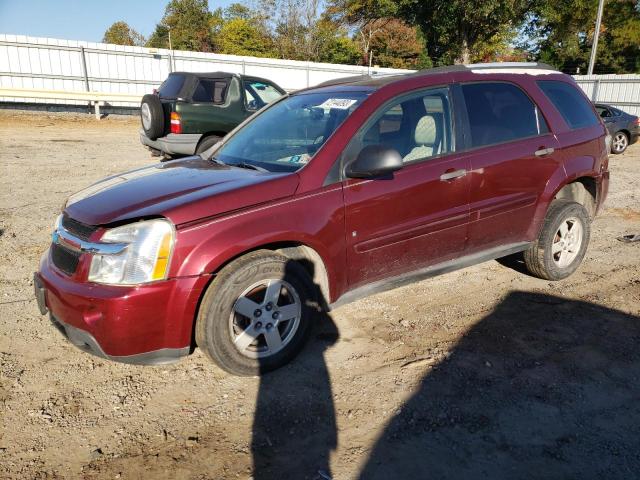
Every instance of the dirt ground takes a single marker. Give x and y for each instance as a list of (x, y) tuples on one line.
[(481, 373)]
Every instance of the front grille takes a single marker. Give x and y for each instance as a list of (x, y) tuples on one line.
[(65, 259), (77, 228)]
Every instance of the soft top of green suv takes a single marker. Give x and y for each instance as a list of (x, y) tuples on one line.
[(191, 112)]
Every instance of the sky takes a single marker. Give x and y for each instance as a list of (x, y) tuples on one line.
[(81, 19)]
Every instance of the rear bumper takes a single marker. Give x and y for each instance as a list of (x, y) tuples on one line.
[(180, 144), (146, 324)]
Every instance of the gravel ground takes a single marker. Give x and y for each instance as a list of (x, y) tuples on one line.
[(481, 373)]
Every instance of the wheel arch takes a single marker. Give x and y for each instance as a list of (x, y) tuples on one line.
[(580, 186), (625, 131), (214, 133), (582, 190), (298, 251)]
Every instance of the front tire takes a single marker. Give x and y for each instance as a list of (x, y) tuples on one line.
[(562, 242), (206, 143), (256, 314)]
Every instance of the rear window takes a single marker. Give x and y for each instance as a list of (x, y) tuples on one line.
[(171, 87), (210, 91), (500, 112), (574, 108)]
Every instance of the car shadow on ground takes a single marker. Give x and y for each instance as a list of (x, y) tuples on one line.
[(515, 262), (542, 387), (294, 428)]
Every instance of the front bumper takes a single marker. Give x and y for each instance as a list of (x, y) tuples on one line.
[(146, 324), (180, 144)]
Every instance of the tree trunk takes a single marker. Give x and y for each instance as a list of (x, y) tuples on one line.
[(465, 53)]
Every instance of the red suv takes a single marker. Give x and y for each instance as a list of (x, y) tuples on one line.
[(329, 194)]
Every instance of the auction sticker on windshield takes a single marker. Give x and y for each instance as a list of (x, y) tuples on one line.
[(340, 103)]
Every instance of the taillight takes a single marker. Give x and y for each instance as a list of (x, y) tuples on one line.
[(637, 121), (176, 125)]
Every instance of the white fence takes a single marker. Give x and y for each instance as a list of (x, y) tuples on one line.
[(52, 64), (622, 91), (66, 65)]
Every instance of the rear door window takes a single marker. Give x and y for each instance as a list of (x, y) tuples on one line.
[(500, 112), (210, 91), (572, 105), (171, 87)]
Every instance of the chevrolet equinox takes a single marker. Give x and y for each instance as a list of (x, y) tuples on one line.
[(348, 188)]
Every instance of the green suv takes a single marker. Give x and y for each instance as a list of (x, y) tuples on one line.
[(191, 112)]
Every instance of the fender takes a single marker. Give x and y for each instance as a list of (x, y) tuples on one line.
[(569, 171), (315, 220)]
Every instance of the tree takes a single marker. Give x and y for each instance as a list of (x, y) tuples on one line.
[(561, 34), (341, 49), (159, 38), (240, 36), (457, 30), (454, 31), (367, 17), (188, 21), (120, 33), (398, 45)]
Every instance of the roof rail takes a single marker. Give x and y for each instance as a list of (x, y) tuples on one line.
[(343, 80), (510, 65)]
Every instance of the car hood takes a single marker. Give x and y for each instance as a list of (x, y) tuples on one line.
[(182, 190)]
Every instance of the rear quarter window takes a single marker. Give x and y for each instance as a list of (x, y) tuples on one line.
[(210, 91), (574, 108), (171, 87)]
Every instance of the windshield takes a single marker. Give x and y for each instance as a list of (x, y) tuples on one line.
[(287, 135)]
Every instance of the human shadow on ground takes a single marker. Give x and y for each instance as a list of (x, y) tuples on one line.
[(542, 387), (294, 428)]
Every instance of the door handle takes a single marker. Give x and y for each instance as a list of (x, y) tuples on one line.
[(453, 174), (544, 151)]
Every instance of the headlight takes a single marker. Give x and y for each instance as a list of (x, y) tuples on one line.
[(146, 258)]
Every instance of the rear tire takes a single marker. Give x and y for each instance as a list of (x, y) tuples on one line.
[(562, 242), (256, 314), (152, 116)]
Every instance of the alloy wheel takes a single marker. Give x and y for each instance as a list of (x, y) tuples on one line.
[(265, 318), (620, 142), (567, 242)]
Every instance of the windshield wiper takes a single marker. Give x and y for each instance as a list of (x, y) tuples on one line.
[(215, 160), (249, 166)]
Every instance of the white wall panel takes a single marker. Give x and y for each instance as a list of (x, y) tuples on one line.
[(31, 62)]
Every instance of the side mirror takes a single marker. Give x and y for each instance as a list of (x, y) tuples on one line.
[(374, 161)]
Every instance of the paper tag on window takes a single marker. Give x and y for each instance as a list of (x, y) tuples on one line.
[(302, 158), (340, 103)]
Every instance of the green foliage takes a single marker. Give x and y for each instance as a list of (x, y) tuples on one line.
[(404, 33), (188, 21), (341, 49), (159, 38), (240, 36), (452, 31), (398, 45), (120, 33), (561, 34)]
